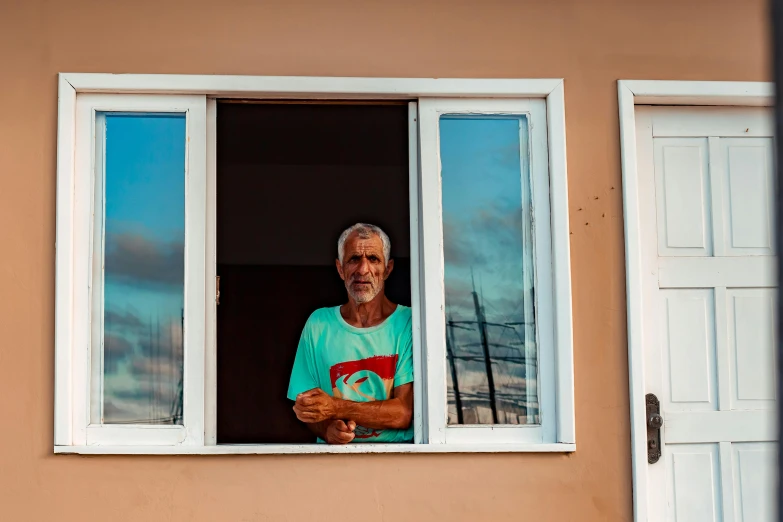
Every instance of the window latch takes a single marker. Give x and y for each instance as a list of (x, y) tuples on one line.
[(654, 423)]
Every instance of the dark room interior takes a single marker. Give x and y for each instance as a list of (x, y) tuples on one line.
[(290, 177)]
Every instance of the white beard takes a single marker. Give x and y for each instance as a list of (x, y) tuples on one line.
[(365, 296)]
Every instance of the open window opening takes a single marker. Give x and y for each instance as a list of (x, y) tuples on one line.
[(291, 176)]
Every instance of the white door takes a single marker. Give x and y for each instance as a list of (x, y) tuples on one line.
[(706, 185)]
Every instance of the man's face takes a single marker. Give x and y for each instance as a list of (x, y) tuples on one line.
[(364, 269)]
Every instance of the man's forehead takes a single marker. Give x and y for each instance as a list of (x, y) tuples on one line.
[(355, 242)]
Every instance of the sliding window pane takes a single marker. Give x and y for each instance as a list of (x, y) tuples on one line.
[(141, 190), (489, 273)]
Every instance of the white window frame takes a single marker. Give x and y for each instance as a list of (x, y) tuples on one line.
[(72, 308), (430, 112), (87, 275)]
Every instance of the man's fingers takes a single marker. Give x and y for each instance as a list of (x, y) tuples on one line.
[(304, 415), (302, 408), (339, 432), (308, 393), (309, 397), (343, 437), (344, 427), (347, 437)]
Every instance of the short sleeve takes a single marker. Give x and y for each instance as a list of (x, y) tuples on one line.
[(404, 371), (303, 376)]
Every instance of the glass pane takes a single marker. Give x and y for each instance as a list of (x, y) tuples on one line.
[(144, 262), (488, 254)]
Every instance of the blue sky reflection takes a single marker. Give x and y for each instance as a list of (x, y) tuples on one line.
[(144, 268), (488, 248)]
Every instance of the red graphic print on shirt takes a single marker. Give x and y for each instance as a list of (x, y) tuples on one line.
[(364, 380)]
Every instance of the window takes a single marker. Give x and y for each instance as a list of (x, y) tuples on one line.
[(138, 242), (489, 171), (136, 316)]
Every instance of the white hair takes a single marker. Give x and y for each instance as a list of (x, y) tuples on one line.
[(365, 231)]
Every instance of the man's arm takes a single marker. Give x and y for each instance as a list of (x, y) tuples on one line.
[(316, 406)]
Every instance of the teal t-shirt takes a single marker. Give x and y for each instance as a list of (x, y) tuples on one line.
[(356, 364)]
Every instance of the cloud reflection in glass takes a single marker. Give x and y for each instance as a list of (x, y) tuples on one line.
[(144, 260), (489, 274)]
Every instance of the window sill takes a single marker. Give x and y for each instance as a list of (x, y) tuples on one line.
[(284, 449)]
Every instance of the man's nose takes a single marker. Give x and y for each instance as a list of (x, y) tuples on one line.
[(364, 267)]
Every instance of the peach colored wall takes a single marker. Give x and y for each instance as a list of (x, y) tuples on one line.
[(589, 43)]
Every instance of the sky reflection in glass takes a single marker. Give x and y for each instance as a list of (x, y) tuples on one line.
[(144, 268), (488, 254)]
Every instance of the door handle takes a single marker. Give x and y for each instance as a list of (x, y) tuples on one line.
[(654, 424)]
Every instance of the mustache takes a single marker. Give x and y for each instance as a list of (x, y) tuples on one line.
[(355, 279)]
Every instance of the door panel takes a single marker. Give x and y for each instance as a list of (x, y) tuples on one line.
[(689, 327), (746, 122), (754, 480), (751, 313), (694, 483), (747, 182), (682, 196)]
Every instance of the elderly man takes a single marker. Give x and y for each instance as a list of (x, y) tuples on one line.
[(353, 376)]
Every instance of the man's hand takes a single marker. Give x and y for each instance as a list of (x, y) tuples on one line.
[(318, 410), (338, 432), (315, 406)]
